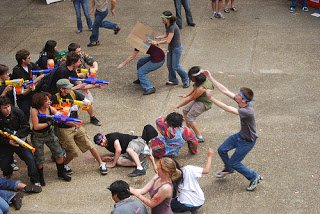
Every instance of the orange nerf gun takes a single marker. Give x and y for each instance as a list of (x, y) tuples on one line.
[(18, 140)]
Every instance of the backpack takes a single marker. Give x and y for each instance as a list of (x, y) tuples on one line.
[(45, 84)]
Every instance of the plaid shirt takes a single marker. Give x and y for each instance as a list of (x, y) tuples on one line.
[(169, 133)]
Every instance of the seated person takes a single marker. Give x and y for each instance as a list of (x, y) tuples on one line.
[(15, 199), (190, 195), (124, 204), (172, 137), (128, 149)]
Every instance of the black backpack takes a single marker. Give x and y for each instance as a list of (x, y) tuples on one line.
[(45, 84)]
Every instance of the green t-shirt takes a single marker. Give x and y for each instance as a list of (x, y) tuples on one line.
[(203, 97)]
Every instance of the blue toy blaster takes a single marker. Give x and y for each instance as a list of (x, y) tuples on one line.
[(44, 71), (27, 83), (92, 81), (60, 118)]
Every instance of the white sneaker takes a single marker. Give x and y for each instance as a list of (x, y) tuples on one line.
[(103, 169)]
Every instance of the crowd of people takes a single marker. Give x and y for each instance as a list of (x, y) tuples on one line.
[(42, 100)]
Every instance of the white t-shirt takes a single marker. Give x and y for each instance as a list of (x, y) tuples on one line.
[(189, 191)]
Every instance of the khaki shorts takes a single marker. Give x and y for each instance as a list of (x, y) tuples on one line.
[(193, 110), (71, 138), (137, 145)]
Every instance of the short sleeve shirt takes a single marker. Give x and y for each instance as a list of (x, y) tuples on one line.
[(248, 124), (175, 42), (124, 140)]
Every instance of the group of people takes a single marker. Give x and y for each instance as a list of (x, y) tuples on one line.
[(173, 188)]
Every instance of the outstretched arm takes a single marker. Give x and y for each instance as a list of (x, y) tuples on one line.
[(129, 59), (221, 105), (194, 95), (207, 166), (217, 84)]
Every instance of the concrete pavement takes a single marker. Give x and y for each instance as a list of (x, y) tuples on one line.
[(261, 46)]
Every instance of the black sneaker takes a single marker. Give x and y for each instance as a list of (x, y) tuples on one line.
[(192, 24), (136, 81), (253, 184), (149, 91), (17, 200), (171, 83), (91, 44), (137, 172), (31, 188), (67, 169), (116, 31), (223, 173), (95, 121)]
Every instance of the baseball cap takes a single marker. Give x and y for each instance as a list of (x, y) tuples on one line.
[(64, 83)]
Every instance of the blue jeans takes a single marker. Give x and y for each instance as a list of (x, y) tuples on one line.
[(6, 184), (145, 66), (186, 6), (99, 22), (85, 7), (173, 64), (294, 3), (242, 147), (25, 155), (178, 207), (5, 198)]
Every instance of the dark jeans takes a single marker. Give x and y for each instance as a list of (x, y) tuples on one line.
[(25, 155), (178, 207)]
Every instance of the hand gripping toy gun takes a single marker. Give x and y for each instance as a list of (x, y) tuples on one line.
[(91, 72), (92, 81), (20, 89), (43, 71), (18, 140), (82, 104), (60, 118), (14, 82)]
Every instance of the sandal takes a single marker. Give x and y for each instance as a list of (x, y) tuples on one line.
[(234, 9), (226, 10)]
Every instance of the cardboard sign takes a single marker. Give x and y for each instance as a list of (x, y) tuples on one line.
[(140, 36)]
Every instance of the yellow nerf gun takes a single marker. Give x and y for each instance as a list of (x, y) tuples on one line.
[(91, 72), (79, 103), (14, 82), (18, 140)]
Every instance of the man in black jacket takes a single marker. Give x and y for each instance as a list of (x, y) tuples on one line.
[(23, 70), (13, 119)]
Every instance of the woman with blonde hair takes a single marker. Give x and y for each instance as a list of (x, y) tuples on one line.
[(160, 187)]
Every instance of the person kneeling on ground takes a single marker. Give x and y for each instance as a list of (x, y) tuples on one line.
[(128, 149), (124, 204), (172, 137)]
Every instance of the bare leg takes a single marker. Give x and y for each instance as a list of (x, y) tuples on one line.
[(68, 159), (213, 5), (220, 6), (226, 4), (194, 127), (135, 157), (96, 155), (90, 112), (125, 162)]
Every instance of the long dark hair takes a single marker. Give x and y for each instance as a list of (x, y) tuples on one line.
[(178, 181), (49, 49), (172, 18)]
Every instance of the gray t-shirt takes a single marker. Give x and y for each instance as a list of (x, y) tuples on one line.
[(248, 124), (175, 42), (101, 5), (129, 206)]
